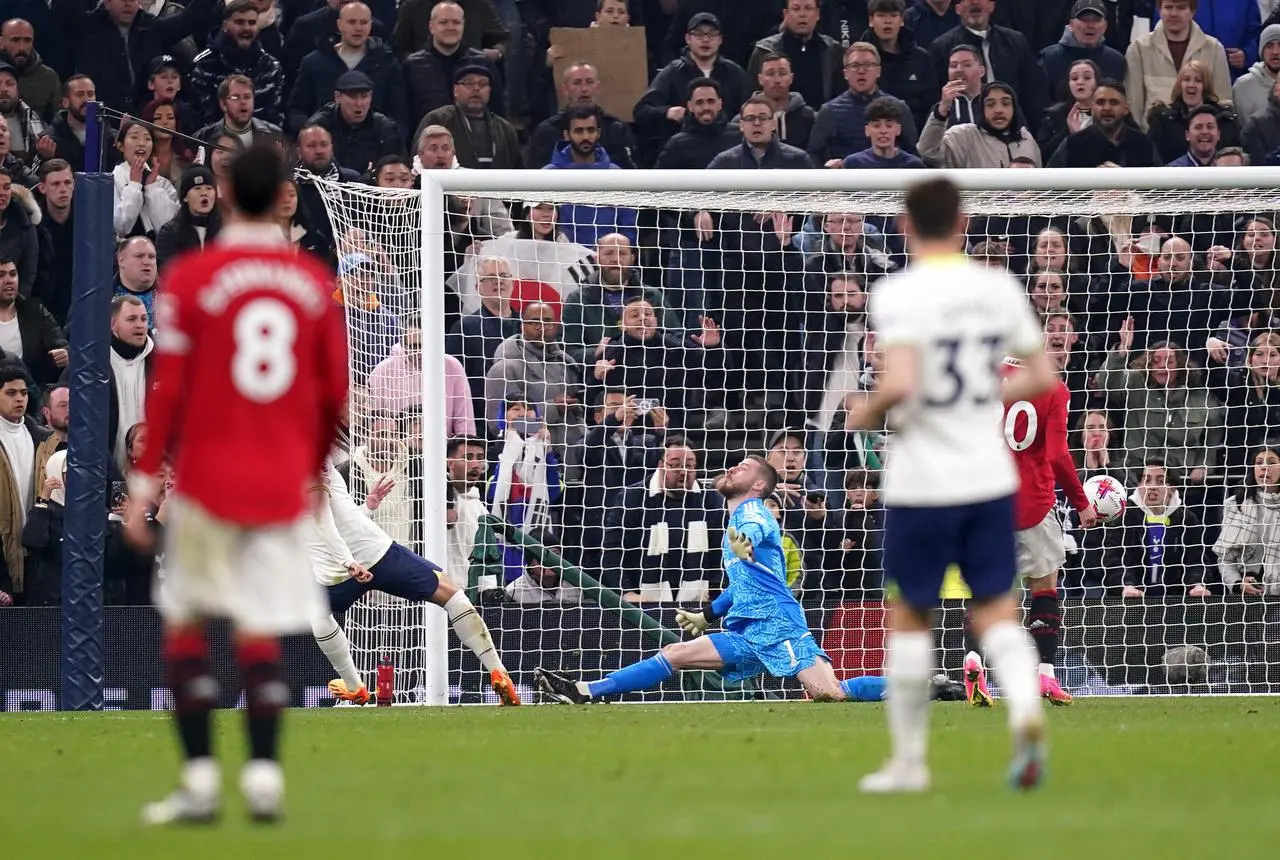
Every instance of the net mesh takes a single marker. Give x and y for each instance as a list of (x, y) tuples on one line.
[(609, 354)]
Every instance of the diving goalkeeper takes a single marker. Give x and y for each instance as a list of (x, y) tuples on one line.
[(764, 628)]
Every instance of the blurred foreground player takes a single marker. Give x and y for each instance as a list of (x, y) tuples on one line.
[(250, 375), (946, 324), (352, 556)]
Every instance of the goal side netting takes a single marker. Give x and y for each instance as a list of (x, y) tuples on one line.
[(596, 349)]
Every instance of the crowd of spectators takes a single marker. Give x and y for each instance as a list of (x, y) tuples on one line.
[(602, 360)]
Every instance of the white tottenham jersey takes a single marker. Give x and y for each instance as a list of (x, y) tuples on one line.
[(343, 533), (947, 447)]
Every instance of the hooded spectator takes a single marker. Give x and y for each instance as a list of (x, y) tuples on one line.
[(999, 136), (1083, 39), (793, 119), (582, 150), (1250, 91)]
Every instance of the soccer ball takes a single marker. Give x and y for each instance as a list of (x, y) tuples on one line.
[(1108, 496)]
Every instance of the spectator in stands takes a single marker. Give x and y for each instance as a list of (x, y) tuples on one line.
[(1261, 135), (661, 111), (541, 583), (373, 330), (840, 129), (57, 238), (38, 84), (929, 19), (1247, 544), (483, 28), (25, 125), (1155, 59), (760, 147), (475, 338), (535, 364), (395, 385), (1075, 112), (834, 334), (907, 70), (1251, 395), (315, 158), (384, 457), (1174, 304), (704, 131), (847, 246), (1110, 138), (354, 53), (43, 532), (1159, 547), (172, 155), (28, 331), (65, 135), (429, 72), (793, 119), (131, 348), (582, 223), (197, 222), (1168, 413), (236, 50), (622, 448), (966, 75), (1167, 124), (119, 30), (859, 562), (815, 57), (19, 239), (1202, 138), (666, 530), (743, 24), (136, 272), (1083, 39), (20, 440), (999, 135), (361, 135), (1236, 25), (581, 87), (164, 81), (12, 164), (592, 313), (1006, 54), (1047, 290), (235, 100), (1250, 91), (464, 471), (393, 171), (527, 479), (314, 29), (221, 149), (144, 200), (1096, 453), (481, 138)]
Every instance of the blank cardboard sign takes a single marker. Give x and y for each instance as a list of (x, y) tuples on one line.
[(619, 55)]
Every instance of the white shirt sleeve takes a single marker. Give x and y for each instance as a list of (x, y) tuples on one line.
[(329, 537), (1026, 336), (891, 316)]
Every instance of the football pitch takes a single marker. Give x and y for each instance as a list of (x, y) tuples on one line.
[(1128, 778)]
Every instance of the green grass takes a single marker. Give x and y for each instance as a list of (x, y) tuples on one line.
[(1129, 778)]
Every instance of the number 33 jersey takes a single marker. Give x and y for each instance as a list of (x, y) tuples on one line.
[(961, 320), (250, 376)]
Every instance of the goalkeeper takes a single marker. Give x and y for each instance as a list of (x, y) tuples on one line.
[(764, 628)]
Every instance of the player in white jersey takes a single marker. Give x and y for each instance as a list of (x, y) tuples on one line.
[(352, 556), (946, 325)]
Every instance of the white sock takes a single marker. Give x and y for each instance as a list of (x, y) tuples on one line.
[(1013, 659), (337, 648), (1046, 669), (907, 671), (472, 631)]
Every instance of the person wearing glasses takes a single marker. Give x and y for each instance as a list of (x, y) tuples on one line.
[(841, 126)]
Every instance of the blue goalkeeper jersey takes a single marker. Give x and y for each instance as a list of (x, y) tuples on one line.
[(758, 589)]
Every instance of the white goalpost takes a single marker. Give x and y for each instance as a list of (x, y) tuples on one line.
[(610, 379)]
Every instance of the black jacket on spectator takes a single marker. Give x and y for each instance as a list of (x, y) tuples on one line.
[(1091, 148), (693, 147), (841, 126), (223, 58), (794, 125), (482, 26), (358, 147), (1055, 62), (742, 24), (506, 147), (638, 509), (671, 87), (1041, 22), (315, 27), (53, 278), (69, 146), (1185, 313), (1167, 128), (101, 52), (615, 137), (428, 80), (42, 539), (1011, 58), (263, 131), (180, 234), (18, 238), (909, 74), (1261, 133), (320, 72), (1053, 128), (777, 156), (818, 79), (40, 333), (473, 340), (313, 214), (1157, 558), (927, 24), (612, 463)]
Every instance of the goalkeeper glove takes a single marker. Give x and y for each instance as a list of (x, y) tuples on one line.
[(695, 623), (740, 544)]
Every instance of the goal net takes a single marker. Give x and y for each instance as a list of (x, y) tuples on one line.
[(597, 348)]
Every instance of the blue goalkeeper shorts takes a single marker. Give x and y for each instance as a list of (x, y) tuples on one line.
[(746, 657)]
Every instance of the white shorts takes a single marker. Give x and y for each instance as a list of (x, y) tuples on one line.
[(258, 578), (1040, 548)]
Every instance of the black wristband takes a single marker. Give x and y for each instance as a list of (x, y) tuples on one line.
[(709, 613)]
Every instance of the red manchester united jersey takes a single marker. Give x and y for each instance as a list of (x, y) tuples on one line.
[(250, 376), (1036, 431)]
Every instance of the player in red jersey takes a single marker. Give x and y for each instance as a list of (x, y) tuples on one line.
[(1036, 431), (250, 376)]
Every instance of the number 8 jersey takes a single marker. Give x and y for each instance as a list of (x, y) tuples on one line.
[(250, 376), (1036, 432), (961, 320)]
